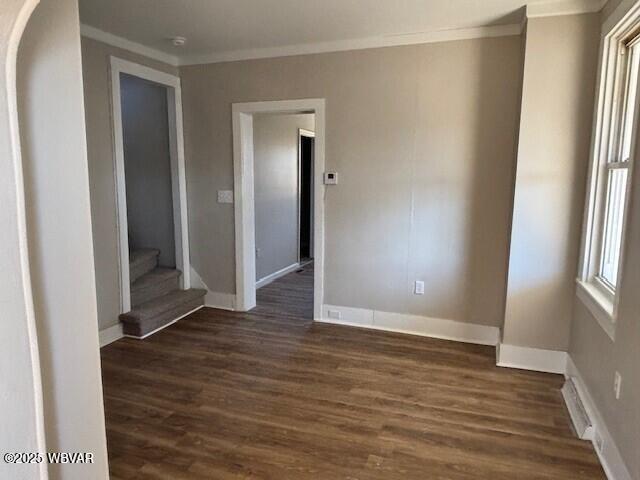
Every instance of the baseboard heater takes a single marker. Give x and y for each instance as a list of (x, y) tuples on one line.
[(579, 416)]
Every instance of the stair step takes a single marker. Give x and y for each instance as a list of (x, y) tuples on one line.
[(142, 261), (161, 311), (155, 283)]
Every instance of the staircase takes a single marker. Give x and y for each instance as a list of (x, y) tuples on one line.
[(156, 298)]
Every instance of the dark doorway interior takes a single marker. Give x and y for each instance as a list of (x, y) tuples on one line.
[(306, 197), (147, 164)]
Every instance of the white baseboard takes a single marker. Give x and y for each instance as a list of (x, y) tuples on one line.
[(603, 442), (222, 301), (410, 324), (526, 358), (110, 334), (276, 275)]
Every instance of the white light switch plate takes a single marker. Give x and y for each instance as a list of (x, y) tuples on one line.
[(418, 288), (225, 196)]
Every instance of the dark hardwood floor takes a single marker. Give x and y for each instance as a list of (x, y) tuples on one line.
[(271, 395)]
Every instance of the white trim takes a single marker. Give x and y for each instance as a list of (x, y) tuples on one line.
[(244, 205), (603, 442), (110, 334), (563, 7), (146, 335), (303, 132), (276, 275), (354, 44), (599, 305), (219, 300), (410, 324), (10, 69), (96, 34), (527, 358), (178, 175)]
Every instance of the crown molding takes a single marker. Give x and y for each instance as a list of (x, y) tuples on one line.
[(355, 44), (119, 42), (302, 49), (563, 7)]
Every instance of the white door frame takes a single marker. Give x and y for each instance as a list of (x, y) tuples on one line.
[(302, 132), (178, 176), (244, 196)]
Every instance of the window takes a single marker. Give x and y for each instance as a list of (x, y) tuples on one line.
[(613, 154), (618, 162)]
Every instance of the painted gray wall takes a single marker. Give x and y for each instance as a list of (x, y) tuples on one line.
[(147, 161), (597, 357), (59, 234), (553, 153), (275, 143), (423, 138), (97, 100)]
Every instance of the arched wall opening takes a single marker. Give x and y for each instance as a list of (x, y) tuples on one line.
[(54, 399)]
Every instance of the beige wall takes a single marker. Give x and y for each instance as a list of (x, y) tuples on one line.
[(553, 153), (97, 96), (597, 357), (423, 140), (59, 236), (275, 143), (147, 163)]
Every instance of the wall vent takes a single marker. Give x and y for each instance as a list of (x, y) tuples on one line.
[(579, 416)]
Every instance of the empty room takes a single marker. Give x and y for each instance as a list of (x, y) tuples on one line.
[(348, 239)]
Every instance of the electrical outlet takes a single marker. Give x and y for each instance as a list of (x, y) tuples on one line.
[(617, 384), (335, 314), (258, 252), (418, 288)]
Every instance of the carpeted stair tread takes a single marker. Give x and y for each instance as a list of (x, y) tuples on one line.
[(161, 304), (161, 311), (142, 261), (155, 276), (141, 254), (155, 283)]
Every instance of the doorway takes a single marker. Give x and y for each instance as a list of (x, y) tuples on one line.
[(306, 147), (244, 171), (150, 174), (147, 164)]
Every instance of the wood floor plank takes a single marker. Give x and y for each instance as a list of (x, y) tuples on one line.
[(269, 394)]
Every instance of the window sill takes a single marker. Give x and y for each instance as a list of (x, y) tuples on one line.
[(599, 305)]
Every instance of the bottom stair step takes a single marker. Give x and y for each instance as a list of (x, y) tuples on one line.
[(161, 311)]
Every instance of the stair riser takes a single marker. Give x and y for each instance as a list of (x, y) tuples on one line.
[(142, 268), (149, 325), (160, 288)]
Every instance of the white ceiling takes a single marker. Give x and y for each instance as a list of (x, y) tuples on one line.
[(253, 28)]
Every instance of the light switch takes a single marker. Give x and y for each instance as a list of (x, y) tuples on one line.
[(225, 196)]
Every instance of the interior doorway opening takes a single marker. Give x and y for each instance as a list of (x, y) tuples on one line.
[(150, 184), (306, 142), (147, 164), (250, 191)]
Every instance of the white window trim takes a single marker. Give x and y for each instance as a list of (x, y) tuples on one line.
[(600, 300)]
